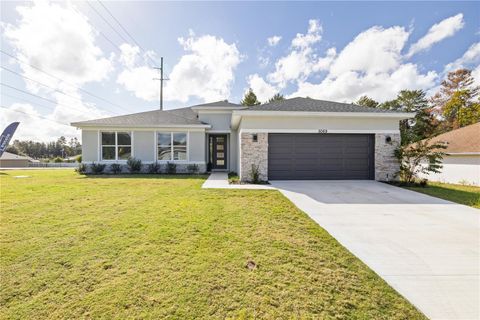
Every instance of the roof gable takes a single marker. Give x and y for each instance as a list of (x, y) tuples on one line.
[(463, 140)]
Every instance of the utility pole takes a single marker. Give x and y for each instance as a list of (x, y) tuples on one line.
[(161, 81)]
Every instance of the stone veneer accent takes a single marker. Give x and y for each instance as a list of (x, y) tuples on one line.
[(386, 165), (253, 153)]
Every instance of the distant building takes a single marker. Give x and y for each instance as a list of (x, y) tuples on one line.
[(461, 164), (10, 160)]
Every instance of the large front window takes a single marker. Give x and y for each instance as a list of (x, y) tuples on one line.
[(116, 145), (171, 146)]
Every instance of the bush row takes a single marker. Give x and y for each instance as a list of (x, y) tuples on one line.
[(134, 166)]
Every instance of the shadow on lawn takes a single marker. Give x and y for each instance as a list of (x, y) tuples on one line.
[(469, 198), (145, 176)]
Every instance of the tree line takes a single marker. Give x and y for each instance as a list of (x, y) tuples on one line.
[(455, 105), (43, 150)]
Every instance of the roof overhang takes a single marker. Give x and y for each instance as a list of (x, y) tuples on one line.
[(220, 108), (146, 126), (237, 115)]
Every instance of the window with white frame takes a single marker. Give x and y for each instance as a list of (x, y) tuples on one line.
[(116, 145), (171, 146)]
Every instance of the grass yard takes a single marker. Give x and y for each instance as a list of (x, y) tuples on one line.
[(161, 247), (467, 195)]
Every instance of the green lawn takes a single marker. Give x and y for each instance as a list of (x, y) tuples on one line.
[(467, 195), (161, 247)]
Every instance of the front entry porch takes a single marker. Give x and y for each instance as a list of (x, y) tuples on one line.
[(217, 152)]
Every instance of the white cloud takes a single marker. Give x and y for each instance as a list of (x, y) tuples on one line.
[(369, 65), (32, 127), (439, 31), (469, 58), (60, 41), (137, 77), (262, 89), (374, 50), (139, 80), (129, 54), (476, 76), (313, 35), (273, 40), (302, 59), (206, 71)]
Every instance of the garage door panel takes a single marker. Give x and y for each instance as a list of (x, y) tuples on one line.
[(320, 156)]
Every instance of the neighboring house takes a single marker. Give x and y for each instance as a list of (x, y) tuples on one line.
[(11, 160), (461, 164), (298, 138)]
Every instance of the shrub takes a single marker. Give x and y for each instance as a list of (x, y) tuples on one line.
[(171, 168), (423, 183), (193, 168), (233, 178), (97, 168), (57, 160), (134, 165), (255, 174), (422, 157), (115, 168), (81, 169), (154, 167), (79, 159)]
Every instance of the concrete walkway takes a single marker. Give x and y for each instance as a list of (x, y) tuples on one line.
[(219, 180), (426, 248)]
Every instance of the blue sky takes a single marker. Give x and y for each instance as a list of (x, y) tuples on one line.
[(216, 50)]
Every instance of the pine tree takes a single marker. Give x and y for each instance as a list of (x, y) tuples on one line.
[(276, 97), (367, 102), (250, 99)]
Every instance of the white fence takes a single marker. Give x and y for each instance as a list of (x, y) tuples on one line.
[(53, 164)]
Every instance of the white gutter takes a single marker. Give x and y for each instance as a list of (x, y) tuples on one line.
[(97, 125), (325, 114)]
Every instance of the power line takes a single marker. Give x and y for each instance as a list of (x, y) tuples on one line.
[(125, 30), (106, 21), (27, 101), (36, 116), (55, 77), (47, 86), (116, 46), (40, 97)]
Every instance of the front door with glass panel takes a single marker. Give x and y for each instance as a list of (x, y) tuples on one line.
[(218, 149)]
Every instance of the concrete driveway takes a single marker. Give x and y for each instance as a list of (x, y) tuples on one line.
[(426, 248)]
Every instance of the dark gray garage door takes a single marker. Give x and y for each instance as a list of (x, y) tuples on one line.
[(300, 156)]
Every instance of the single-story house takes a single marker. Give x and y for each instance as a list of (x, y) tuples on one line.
[(11, 160), (298, 138), (461, 164)]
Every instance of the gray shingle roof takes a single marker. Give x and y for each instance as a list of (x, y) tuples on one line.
[(183, 116), (222, 103), (313, 105)]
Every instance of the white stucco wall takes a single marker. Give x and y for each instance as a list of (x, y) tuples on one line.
[(219, 121), (144, 144), (89, 145), (458, 169), (196, 146), (372, 125)]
